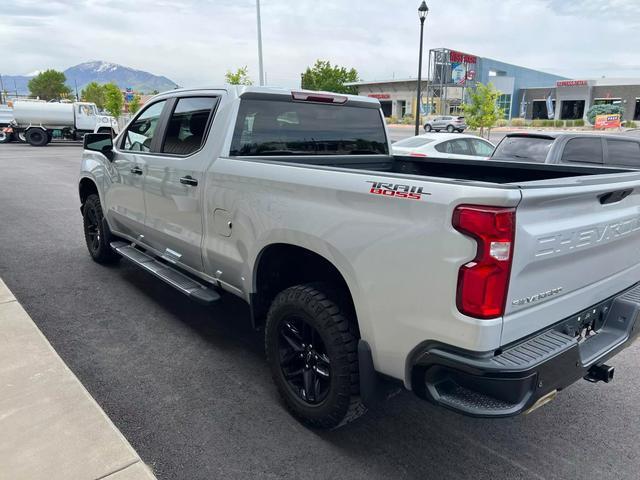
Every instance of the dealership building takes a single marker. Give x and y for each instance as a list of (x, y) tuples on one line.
[(570, 99), (449, 75)]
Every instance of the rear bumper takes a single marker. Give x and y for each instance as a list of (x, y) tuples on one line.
[(528, 372)]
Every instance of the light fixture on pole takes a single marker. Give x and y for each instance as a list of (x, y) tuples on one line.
[(423, 10), (259, 43)]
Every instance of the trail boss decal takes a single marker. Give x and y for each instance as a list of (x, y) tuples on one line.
[(410, 192)]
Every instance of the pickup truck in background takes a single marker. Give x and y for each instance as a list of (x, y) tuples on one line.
[(571, 148), (484, 287), (35, 122)]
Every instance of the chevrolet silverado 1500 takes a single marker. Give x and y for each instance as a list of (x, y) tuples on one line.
[(483, 286)]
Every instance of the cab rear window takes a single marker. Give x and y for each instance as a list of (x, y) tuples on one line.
[(272, 127)]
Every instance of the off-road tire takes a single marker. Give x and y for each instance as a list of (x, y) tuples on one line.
[(96, 232), (319, 308)]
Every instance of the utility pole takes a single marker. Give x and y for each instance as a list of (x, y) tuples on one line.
[(259, 43), (77, 96), (1, 90)]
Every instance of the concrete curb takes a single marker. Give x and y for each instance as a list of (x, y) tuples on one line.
[(50, 426)]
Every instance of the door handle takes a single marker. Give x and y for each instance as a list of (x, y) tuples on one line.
[(136, 170), (189, 180)]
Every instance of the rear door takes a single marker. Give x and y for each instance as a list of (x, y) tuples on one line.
[(622, 152), (174, 181), (577, 243)]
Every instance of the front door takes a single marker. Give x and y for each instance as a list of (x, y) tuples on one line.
[(174, 182), (126, 175), (86, 116)]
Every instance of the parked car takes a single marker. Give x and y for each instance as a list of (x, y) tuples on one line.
[(571, 147), (360, 265), (449, 123), (445, 145)]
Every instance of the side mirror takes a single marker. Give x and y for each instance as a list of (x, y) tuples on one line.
[(99, 142)]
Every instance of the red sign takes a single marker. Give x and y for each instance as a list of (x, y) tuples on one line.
[(607, 121), (459, 57), (379, 96), (571, 83)]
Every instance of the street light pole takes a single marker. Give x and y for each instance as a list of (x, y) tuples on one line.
[(259, 43), (423, 10)]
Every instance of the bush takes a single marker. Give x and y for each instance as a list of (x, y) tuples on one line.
[(579, 122), (538, 123), (408, 120), (392, 119), (603, 110), (502, 123), (558, 123), (518, 122), (630, 124), (569, 123)]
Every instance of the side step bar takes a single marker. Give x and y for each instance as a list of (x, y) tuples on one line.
[(187, 285)]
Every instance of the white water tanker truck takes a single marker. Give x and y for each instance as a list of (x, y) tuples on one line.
[(35, 122)]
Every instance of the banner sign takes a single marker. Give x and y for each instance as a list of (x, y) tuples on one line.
[(550, 109), (607, 121), (458, 73), (571, 83)]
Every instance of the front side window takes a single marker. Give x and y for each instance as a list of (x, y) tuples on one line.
[(188, 124), (140, 133), (525, 148), (482, 148), (273, 127), (583, 150)]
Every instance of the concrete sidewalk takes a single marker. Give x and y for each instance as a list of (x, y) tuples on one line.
[(50, 427)]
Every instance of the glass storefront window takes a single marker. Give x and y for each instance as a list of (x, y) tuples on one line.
[(504, 102)]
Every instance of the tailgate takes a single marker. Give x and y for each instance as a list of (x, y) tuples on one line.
[(576, 244)]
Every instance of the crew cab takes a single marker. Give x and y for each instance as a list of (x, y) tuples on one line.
[(484, 286), (622, 151)]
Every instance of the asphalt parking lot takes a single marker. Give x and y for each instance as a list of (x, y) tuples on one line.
[(190, 390)]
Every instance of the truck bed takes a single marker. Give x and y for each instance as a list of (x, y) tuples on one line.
[(492, 171)]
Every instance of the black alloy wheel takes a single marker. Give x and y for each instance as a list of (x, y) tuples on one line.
[(303, 360)]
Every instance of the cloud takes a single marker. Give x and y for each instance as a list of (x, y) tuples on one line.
[(195, 42)]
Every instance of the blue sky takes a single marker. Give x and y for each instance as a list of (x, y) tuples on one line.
[(195, 42)]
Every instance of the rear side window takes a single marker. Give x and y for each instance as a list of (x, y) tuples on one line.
[(623, 152), (188, 125), (141, 132), (456, 147), (526, 149), (271, 127), (583, 150)]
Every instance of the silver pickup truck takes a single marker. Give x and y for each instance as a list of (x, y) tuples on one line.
[(484, 287)]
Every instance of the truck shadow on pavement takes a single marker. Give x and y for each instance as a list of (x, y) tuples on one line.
[(213, 363)]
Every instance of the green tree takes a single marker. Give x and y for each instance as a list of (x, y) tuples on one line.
[(49, 85), (603, 110), (239, 77), (329, 78), (113, 99), (134, 104), (93, 92), (482, 111)]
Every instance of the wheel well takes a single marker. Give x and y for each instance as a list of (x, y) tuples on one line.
[(281, 266), (87, 187)]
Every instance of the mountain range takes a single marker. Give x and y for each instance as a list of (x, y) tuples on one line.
[(97, 71)]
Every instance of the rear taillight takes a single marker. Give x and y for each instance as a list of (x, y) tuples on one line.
[(483, 282)]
